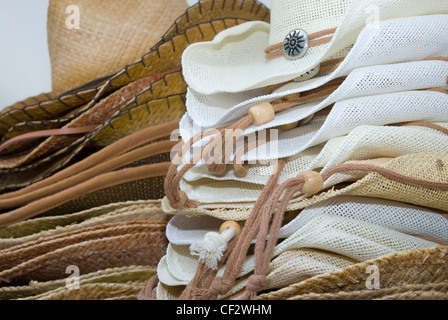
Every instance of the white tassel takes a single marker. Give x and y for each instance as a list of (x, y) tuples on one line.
[(211, 249)]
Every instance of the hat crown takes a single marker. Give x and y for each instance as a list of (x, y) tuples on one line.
[(308, 15)]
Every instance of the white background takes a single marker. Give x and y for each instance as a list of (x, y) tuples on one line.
[(24, 61)]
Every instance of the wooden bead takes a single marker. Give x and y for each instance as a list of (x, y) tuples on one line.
[(313, 182), (231, 224), (262, 113), (289, 126)]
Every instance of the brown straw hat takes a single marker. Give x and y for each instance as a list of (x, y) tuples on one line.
[(49, 226), (417, 274), (96, 291), (44, 290), (132, 168), (142, 246), (151, 90), (21, 253)]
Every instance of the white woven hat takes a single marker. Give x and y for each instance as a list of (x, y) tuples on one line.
[(235, 60), (345, 116), (398, 216), (364, 142), (221, 109), (289, 267), (357, 240)]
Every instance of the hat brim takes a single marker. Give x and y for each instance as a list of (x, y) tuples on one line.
[(372, 48), (235, 60)]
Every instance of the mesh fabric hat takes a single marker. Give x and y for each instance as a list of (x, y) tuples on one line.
[(399, 216), (238, 194), (344, 116), (288, 268), (363, 142), (375, 77), (428, 166), (356, 240), (235, 61)]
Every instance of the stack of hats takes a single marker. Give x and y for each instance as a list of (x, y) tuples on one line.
[(83, 167), (315, 157)]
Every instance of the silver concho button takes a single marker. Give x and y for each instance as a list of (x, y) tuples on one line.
[(295, 44)]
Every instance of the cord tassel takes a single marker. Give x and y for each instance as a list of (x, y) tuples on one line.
[(211, 249)]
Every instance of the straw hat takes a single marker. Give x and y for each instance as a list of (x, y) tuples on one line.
[(158, 57), (404, 275), (143, 247), (49, 226), (236, 60), (111, 34), (45, 290), (21, 253), (96, 291), (149, 91)]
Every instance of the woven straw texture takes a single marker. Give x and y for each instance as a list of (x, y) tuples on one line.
[(139, 246), (38, 290), (402, 275), (97, 291), (32, 249), (33, 229), (84, 106), (128, 30)]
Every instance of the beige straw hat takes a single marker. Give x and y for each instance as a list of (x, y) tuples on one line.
[(96, 291), (21, 253), (417, 274), (139, 248), (41, 290), (48, 226), (111, 34)]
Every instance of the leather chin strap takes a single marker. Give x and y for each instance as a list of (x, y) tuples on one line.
[(45, 134)]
